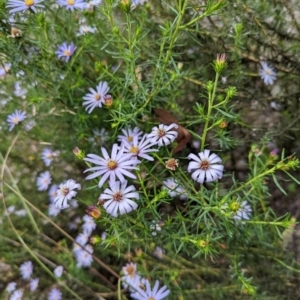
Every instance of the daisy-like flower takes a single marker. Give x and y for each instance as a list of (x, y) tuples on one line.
[(58, 271), (43, 181), (23, 5), (14, 119), (100, 137), (72, 4), (19, 91), (48, 155), (66, 192), (171, 186), (84, 256), (11, 287), (118, 198), (129, 134), (82, 238), (84, 29), (131, 277), (53, 211), (21, 212), (65, 51), (163, 135), (4, 69), (111, 167), (52, 193), (267, 73), (89, 224), (26, 269), (140, 148), (17, 295), (96, 97), (244, 211), (55, 294), (155, 294), (33, 284), (207, 167), (92, 3)]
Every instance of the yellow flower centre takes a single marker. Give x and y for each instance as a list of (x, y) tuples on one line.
[(161, 132), (118, 197), (151, 298), (97, 97), (29, 2), (15, 120), (71, 2), (204, 165), (67, 52), (134, 150), (130, 138), (112, 164)]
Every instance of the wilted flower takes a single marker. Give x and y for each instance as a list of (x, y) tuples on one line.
[(93, 211), (172, 164)]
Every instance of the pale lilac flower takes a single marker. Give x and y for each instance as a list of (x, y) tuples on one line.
[(89, 224), (52, 193), (20, 212), (53, 211), (82, 239), (155, 294), (171, 186), (84, 256), (55, 294), (29, 125), (23, 5), (243, 212), (163, 135), (131, 277), (111, 167), (92, 3), (72, 4), (96, 97), (74, 203), (17, 295), (58, 271), (99, 137), (11, 287), (10, 209), (118, 198), (43, 181), (66, 192), (65, 51), (4, 69), (14, 119), (207, 167), (19, 91), (139, 148), (267, 73), (73, 225), (84, 29), (33, 284), (48, 155), (26, 269), (129, 134)]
